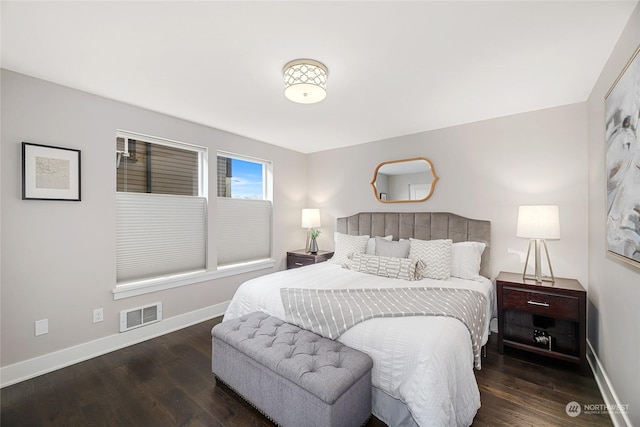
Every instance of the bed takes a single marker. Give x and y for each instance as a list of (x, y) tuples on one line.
[(423, 365)]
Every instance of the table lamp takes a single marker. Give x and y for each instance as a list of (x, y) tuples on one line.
[(538, 223), (310, 220)]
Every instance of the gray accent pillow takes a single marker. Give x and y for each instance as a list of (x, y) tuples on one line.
[(371, 244), (392, 249)]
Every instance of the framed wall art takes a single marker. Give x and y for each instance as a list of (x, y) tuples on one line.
[(50, 173), (622, 163)]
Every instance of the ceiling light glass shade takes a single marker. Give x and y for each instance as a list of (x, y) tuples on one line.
[(538, 222), (305, 81)]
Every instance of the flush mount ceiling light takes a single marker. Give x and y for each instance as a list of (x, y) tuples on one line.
[(305, 81)]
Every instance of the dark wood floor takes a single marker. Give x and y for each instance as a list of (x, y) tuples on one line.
[(167, 382)]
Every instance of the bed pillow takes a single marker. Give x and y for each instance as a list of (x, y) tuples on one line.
[(465, 259), (347, 244), (395, 268), (371, 244), (392, 249), (436, 256)]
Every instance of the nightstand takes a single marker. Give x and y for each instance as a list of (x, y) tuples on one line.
[(544, 318), (300, 258)]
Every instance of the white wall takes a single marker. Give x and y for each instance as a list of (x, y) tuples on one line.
[(399, 185), (58, 258), (486, 169), (614, 286)]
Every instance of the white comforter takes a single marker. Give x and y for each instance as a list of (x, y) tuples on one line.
[(426, 362)]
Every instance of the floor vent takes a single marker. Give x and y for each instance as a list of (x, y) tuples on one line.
[(141, 316)]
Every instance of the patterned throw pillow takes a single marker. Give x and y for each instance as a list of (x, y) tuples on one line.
[(346, 245), (395, 268), (436, 255)]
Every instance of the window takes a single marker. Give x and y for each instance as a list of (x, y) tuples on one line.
[(243, 215), (161, 207)]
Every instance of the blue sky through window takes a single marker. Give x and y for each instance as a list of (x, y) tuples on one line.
[(246, 182)]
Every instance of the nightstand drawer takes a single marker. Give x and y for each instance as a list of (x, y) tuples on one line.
[(543, 303), (300, 258), (294, 261)]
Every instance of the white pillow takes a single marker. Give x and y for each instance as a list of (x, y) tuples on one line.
[(371, 244), (347, 244), (465, 259), (436, 256)]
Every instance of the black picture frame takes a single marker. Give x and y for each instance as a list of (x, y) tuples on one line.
[(50, 173)]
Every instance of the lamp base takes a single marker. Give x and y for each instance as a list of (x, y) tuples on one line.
[(538, 271), (542, 279), (313, 246)]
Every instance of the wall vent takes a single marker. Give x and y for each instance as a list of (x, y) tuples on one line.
[(140, 316)]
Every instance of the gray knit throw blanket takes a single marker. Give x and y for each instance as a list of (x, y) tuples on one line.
[(330, 312)]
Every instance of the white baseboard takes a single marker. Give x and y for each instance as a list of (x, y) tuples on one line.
[(619, 418), (31, 368)]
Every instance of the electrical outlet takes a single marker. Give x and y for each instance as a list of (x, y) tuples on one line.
[(98, 315), (42, 327)]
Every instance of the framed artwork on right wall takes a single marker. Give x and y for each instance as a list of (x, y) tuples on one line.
[(622, 163)]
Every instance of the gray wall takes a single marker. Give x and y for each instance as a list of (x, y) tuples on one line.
[(58, 258), (486, 169), (614, 286)]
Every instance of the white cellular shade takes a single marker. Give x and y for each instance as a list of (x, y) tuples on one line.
[(243, 229), (159, 235), (539, 222)]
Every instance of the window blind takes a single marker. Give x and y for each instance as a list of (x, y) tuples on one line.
[(243, 230), (159, 235)]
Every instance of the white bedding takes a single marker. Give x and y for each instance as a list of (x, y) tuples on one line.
[(426, 362)]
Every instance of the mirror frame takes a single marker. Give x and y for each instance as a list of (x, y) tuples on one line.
[(433, 183)]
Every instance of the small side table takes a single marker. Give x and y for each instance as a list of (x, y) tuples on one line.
[(543, 318), (300, 258)]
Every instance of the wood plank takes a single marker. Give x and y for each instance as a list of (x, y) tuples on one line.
[(167, 381)]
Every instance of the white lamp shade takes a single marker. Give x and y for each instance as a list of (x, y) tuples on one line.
[(310, 218), (539, 222)]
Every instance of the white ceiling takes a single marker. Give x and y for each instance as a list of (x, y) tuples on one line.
[(395, 68)]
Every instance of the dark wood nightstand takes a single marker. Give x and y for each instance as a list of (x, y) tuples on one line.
[(300, 258), (548, 318)]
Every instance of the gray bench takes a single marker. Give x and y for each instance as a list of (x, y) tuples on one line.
[(293, 376)]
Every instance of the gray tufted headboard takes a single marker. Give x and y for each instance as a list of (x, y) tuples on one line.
[(422, 225)]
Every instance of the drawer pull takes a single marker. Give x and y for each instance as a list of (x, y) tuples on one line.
[(298, 263), (543, 304)]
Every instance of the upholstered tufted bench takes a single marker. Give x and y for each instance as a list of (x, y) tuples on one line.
[(293, 376)]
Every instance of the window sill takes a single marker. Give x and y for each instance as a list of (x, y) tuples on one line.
[(141, 287)]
